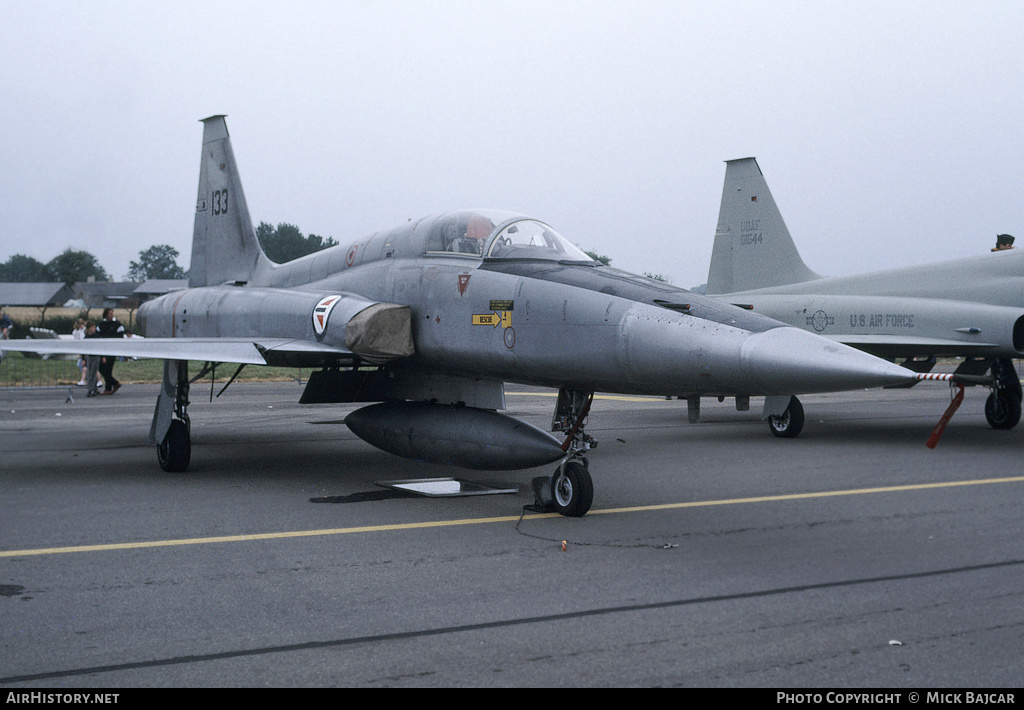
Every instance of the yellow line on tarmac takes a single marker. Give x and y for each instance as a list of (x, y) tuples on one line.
[(266, 536), (801, 496), (499, 519)]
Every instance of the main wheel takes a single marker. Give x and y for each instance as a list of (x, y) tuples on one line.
[(572, 489), (175, 451), (1002, 409), (790, 423)]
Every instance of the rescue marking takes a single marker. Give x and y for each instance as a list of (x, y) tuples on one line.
[(503, 319), (496, 519)]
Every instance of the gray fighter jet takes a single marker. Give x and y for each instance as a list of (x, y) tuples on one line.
[(429, 319), (971, 308)]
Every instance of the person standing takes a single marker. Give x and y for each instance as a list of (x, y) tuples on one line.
[(5, 325), (77, 333), (92, 363), (5, 329), (109, 328)]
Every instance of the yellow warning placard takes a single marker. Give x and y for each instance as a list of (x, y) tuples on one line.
[(503, 319)]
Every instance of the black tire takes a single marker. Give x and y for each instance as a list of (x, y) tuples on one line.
[(175, 451), (572, 490), (790, 423), (1002, 409)]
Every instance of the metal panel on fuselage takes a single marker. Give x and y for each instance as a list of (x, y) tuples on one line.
[(994, 278), (478, 322), (894, 326), (591, 330)]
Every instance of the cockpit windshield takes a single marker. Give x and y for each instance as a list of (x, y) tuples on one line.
[(529, 239)]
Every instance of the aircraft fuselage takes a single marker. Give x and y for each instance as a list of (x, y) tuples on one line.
[(560, 323)]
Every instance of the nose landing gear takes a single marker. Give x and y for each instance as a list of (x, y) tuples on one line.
[(570, 490)]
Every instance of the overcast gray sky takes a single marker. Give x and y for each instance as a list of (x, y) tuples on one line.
[(889, 132)]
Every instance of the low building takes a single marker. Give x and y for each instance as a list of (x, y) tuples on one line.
[(107, 294), (36, 294)]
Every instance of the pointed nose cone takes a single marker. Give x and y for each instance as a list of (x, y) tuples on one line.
[(792, 361)]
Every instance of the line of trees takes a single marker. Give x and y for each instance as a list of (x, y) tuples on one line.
[(160, 261), (285, 242), (69, 266), (282, 243)]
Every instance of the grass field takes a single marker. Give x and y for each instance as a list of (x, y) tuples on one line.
[(16, 370), (32, 315), (61, 320)]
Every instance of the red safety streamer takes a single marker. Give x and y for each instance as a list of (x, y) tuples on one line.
[(941, 426)]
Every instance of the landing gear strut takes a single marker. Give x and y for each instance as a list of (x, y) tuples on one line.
[(570, 488), (1003, 406)]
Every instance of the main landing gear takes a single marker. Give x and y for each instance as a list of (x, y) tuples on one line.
[(1003, 406), (569, 490), (790, 422), (175, 451), (170, 428)]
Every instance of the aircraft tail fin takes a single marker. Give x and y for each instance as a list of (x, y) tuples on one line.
[(753, 248), (224, 243)]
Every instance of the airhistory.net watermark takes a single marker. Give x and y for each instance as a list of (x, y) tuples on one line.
[(62, 698)]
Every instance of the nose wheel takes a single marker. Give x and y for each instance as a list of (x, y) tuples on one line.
[(572, 489)]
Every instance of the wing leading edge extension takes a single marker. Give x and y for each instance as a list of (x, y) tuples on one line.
[(251, 351)]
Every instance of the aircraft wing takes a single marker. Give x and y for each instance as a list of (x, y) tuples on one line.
[(288, 352)]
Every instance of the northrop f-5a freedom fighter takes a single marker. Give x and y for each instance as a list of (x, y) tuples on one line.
[(425, 322), (972, 308)]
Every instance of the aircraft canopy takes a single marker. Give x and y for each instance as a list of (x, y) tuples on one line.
[(499, 235)]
